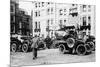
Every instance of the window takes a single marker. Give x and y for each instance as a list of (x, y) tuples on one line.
[(20, 28), (84, 21), (48, 3), (39, 25), (36, 14), (60, 11), (84, 8), (36, 25), (20, 25), (48, 11), (39, 4), (12, 18), (65, 11), (89, 8), (51, 10), (60, 21), (12, 8), (51, 21), (60, 24), (27, 19), (65, 20), (36, 5), (48, 22), (47, 28), (39, 13), (89, 19), (42, 4), (73, 4), (12, 28)]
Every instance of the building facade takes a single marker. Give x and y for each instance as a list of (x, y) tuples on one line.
[(87, 18), (62, 14), (49, 17), (20, 21), (74, 16), (43, 19), (13, 8)]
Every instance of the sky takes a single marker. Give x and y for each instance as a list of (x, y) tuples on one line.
[(27, 6)]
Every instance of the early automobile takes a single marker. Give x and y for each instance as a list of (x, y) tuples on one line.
[(73, 43), (20, 43)]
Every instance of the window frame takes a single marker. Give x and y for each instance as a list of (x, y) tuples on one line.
[(84, 18)]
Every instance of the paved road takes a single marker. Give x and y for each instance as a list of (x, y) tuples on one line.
[(48, 56)]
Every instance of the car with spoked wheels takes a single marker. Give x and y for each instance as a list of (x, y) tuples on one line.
[(73, 44), (20, 43)]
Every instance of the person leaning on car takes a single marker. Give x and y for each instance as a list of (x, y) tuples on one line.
[(35, 46)]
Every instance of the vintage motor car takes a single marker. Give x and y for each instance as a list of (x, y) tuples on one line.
[(75, 43), (20, 43)]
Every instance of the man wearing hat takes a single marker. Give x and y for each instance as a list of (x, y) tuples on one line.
[(35, 46)]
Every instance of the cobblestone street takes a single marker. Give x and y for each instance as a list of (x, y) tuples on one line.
[(48, 56)]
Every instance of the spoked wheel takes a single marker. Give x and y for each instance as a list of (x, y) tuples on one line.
[(88, 48), (92, 46), (41, 45), (25, 47), (70, 42), (62, 48), (81, 49), (13, 47)]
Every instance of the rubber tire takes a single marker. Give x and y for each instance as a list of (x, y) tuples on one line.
[(92, 46), (25, 47), (70, 45), (13, 47), (62, 48), (88, 48), (79, 47), (42, 45)]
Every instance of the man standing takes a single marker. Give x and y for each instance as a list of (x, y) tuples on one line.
[(35, 46), (48, 42)]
